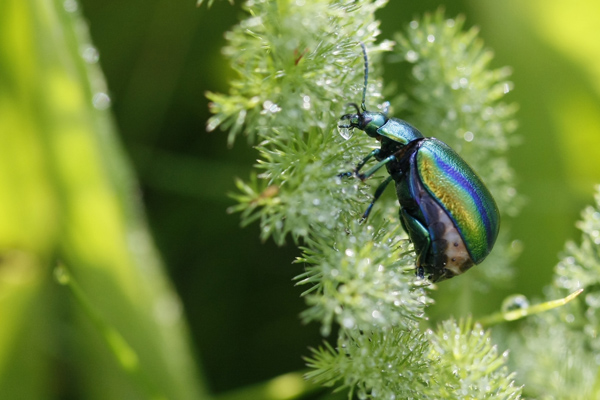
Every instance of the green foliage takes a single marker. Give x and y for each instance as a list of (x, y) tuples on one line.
[(466, 365), (362, 280), (564, 344), (67, 193), (458, 361), (376, 364), (296, 67)]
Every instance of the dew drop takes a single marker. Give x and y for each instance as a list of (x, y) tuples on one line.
[(515, 302), (70, 5), (593, 300), (90, 55), (414, 24), (516, 245), (61, 275), (348, 322), (570, 318), (468, 136), (430, 38), (411, 56), (306, 102), (101, 101), (346, 133)]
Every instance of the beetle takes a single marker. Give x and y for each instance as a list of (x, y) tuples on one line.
[(448, 213)]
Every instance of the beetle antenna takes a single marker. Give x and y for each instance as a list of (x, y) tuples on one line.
[(355, 107), (364, 50)]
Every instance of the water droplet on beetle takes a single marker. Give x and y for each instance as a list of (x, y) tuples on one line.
[(346, 133)]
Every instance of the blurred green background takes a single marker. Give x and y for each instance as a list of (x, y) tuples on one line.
[(160, 56)]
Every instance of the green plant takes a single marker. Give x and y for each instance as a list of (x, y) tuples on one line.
[(557, 352), (298, 67), (68, 197)]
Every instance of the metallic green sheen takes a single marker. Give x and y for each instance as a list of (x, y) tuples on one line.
[(458, 189), (375, 120), (399, 131)]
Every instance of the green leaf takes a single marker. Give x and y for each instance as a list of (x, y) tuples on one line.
[(67, 193)]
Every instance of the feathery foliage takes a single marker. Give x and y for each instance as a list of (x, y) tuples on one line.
[(466, 365), (562, 347), (385, 365), (297, 66)]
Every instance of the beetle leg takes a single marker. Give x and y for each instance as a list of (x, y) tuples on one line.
[(360, 164), (375, 168), (419, 235), (378, 192)]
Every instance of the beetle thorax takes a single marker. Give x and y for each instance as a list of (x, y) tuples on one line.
[(370, 122)]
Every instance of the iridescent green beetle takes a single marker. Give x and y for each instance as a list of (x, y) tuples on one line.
[(449, 215)]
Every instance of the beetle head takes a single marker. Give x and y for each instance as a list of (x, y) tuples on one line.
[(366, 121)]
